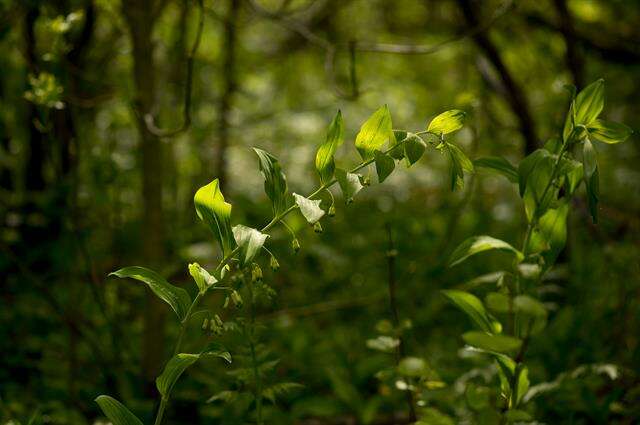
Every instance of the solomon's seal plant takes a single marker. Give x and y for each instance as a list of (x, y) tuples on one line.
[(238, 272), (513, 311)]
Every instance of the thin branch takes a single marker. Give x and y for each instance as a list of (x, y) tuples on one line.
[(149, 119)]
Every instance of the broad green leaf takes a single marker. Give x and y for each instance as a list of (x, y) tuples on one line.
[(250, 242), (180, 362), (497, 301), (324, 157), (522, 385), (472, 306), (177, 298), (447, 122), (589, 103), (310, 208), (384, 165), (591, 177), (275, 182), (383, 343), (374, 133), (397, 148), (517, 416), (477, 244), (216, 213), (459, 164), (609, 132), (492, 342), (550, 235), (414, 148), (553, 145), (477, 397), (116, 412), (349, 184), (528, 305), (498, 165), (202, 277), (530, 163)]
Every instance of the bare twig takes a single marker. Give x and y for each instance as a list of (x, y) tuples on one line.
[(186, 123)]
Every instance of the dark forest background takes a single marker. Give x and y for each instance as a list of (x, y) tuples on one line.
[(110, 119)]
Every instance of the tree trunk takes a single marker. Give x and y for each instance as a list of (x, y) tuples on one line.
[(141, 15)]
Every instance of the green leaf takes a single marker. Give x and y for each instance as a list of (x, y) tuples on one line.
[(384, 165), (515, 415), (349, 184), (374, 133), (459, 164), (609, 132), (275, 182), (498, 165), (216, 213), (324, 157), (397, 148), (310, 208), (492, 342), (477, 244), (447, 122), (530, 306), (250, 242), (202, 277), (473, 307), (522, 385), (180, 362), (550, 235), (530, 163), (116, 412), (497, 302), (177, 298), (280, 389), (535, 171), (414, 148), (591, 177), (589, 103)]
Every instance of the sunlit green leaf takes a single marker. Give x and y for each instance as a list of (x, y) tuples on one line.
[(384, 165), (177, 298), (180, 362), (216, 213), (349, 184), (202, 277), (250, 242), (447, 122), (459, 164), (477, 244), (498, 165), (609, 132), (474, 308), (414, 148), (324, 157), (310, 208), (116, 412), (550, 234), (374, 133), (522, 385), (275, 182), (589, 103), (492, 342)]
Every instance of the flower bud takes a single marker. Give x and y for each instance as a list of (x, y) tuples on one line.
[(236, 298), (295, 245), (317, 227), (256, 273), (332, 211), (205, 324), (273, 263)]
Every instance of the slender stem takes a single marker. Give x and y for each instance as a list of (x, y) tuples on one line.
[(393, 306), (254, 361), (161, 409)]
